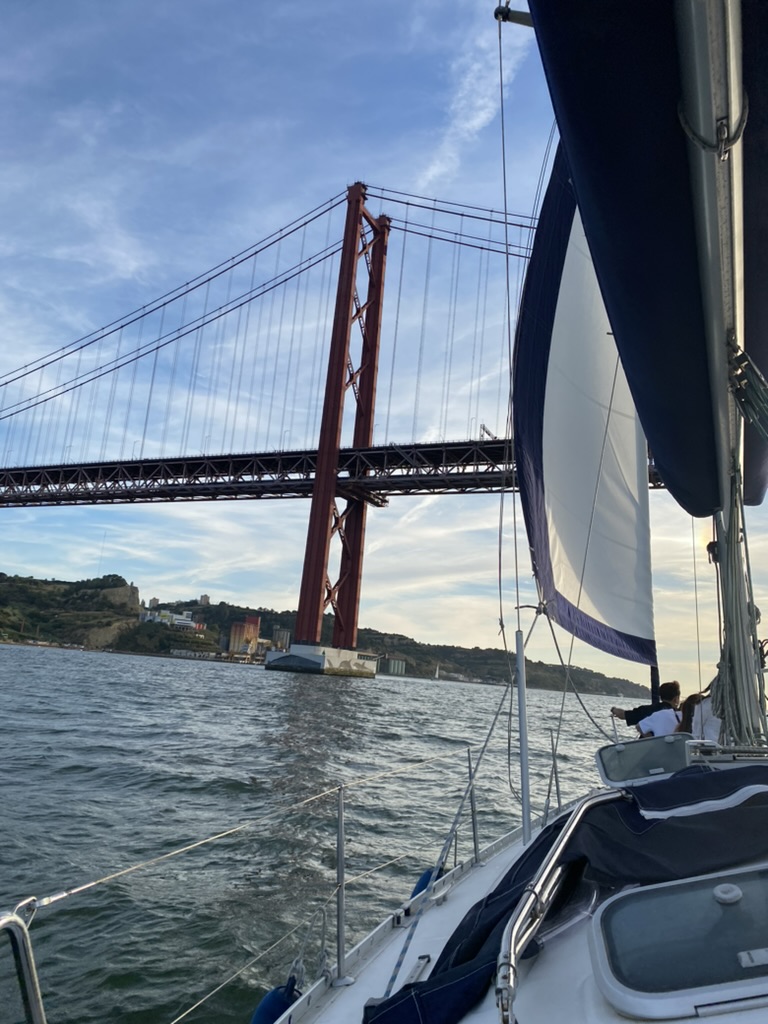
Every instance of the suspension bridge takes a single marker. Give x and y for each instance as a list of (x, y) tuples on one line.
[(236, 384)]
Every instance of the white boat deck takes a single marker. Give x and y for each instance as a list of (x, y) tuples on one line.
[(377, 955)]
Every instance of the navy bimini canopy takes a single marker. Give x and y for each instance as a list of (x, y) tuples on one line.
[(612, 70), (694, 823)]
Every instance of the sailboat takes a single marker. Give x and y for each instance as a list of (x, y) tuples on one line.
[(645, 305), (643, 324)]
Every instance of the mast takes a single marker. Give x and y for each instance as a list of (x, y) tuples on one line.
[(713, 114)]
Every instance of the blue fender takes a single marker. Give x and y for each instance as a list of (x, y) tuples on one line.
[(275, 1003), (423, 881)]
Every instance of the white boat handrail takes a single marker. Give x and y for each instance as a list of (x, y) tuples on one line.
[(26, 973), (534, 902)]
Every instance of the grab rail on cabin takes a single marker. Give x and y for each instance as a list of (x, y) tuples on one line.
[(26, 974), (534, 903)]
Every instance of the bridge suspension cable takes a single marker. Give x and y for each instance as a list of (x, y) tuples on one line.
[(233, 359)]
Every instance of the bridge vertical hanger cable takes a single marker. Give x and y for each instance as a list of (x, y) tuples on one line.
[(311, 429), (110, 404), (422, 336), (209, 425), (275, 367), (396, 331), (235, 375), (251, 443), (443, 414), (172, 380), (194, 371), (243, 343), (292, 378), (243, 364), (302, 284), (72, 411), (148, 408), (127, 417), (259, 443), (451, 333)]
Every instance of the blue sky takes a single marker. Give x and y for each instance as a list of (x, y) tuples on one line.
[(147, 141)]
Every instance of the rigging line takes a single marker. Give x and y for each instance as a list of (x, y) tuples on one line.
[(696, 600), (448, 842), (569, 682), (583, 572), (148, 348), (241, 970), (508, 314), (754, 620), (47, 901), (174, 294), (752, 612)]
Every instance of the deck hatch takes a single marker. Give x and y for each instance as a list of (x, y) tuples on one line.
[(664, 950)]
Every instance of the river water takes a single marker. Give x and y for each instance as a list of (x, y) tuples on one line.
[(111, 760)]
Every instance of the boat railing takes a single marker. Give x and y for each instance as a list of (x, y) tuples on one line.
[(24, 961), (534, 903), (18, 922)]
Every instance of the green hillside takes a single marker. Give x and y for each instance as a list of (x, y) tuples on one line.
[(103, 614)]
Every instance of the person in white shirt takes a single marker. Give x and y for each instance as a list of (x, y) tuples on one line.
[(705, 725), (662, 722)]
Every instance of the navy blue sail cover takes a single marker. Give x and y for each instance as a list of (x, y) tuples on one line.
[(613, 75), (616, 844)]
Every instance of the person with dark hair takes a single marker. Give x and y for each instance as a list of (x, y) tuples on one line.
[(687, 710), (669, 697)]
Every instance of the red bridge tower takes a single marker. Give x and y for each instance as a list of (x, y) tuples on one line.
[(364, 245)]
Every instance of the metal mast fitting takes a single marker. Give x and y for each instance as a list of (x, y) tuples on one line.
[(365, 243)]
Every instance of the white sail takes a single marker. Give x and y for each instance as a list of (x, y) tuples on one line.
[(580, 451)]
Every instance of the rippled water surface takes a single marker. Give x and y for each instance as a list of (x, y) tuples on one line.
[(111, 760)]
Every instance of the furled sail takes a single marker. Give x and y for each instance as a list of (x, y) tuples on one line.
[(618, 83), (580, 453)]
